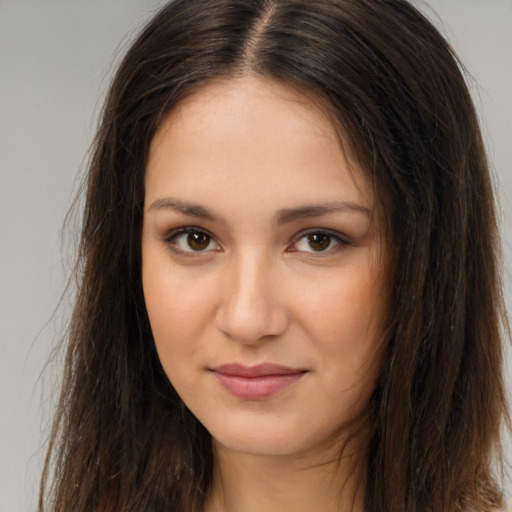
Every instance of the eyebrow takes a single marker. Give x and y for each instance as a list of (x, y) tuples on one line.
[(316, 210), (283, 216), (187, 208)]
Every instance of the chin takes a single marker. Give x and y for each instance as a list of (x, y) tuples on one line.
[(271, 439), (270, 445)]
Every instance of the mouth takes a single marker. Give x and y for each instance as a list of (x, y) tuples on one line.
[(256, 382)]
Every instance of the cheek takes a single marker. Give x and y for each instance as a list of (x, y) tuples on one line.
[(179, 310), (344, 318), (176, 301), (349, 304)]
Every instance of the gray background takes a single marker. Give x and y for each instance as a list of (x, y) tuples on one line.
[(55, 60)]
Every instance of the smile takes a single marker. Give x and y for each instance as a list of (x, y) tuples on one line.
[(256, 382)]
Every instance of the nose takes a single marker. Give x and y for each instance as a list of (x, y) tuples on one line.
[(251, 310)]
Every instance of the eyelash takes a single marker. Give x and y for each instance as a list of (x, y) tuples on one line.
[(173, 236)]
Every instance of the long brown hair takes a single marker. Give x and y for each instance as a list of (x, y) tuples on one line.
[(122, 439)]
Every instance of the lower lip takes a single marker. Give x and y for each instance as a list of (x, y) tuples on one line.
[(256, 388)]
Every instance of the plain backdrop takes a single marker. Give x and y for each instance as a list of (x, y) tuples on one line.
[(55, 60)]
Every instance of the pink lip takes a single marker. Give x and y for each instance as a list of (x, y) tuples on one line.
[(256, 382)]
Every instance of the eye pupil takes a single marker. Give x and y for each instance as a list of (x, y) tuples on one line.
[(198, 241), (319, 241)]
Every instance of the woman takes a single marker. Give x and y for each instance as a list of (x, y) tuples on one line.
[(289, 295)]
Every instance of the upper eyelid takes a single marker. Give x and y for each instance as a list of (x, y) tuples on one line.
[(336, 234), (185, 229)]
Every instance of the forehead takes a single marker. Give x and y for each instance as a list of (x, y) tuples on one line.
[(256, 132)]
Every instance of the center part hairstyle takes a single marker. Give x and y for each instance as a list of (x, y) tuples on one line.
[(123, 440)]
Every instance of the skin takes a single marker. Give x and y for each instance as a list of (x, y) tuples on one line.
[(238, 162)]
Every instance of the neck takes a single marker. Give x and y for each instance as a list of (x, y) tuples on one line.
[(321, 482)]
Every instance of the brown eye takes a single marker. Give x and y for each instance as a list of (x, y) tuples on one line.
[(319, 241), (187, 241), (198, 240)]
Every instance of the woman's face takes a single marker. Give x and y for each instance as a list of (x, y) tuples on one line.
[(262, 273)]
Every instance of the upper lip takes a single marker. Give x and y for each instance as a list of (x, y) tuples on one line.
[(260, 370)]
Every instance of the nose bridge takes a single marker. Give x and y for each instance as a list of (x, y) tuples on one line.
[(250, 308)]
